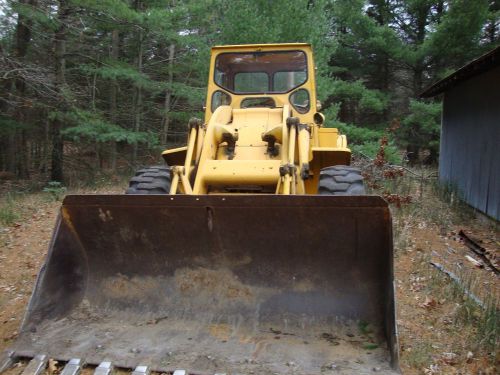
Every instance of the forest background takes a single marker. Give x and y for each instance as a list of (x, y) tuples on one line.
[(98, 86)]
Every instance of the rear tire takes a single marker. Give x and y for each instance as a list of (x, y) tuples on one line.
[(341, 180), (150, 180)]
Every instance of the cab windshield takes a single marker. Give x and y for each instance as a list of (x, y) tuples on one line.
[(260, 72)]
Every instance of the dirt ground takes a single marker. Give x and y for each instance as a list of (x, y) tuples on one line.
[(437, 326), (439, 329)]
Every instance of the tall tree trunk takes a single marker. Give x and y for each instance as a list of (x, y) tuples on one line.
[(5, 152), (11, 153), (94, 86), (60, 81), (99, 164), (23, 30), (23, 39), (138, 100), (422, 14), (168, 96), (45, 157), (418, 72), (115, 53)]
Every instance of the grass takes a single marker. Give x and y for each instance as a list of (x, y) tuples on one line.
[(9, 212), (55, 190), (76, 180), (451, 197), (420, 355), (401, 231), (432, 203), (470, 327), (482, 321), (488, 328)]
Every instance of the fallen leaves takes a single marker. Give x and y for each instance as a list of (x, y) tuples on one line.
[(449, 358), (52, 368), (429, 303), (432, 369), (470, 357)]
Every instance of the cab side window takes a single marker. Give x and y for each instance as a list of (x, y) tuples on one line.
[(300, 100), (219, 98)]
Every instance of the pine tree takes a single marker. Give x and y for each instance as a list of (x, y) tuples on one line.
[(91, 85)]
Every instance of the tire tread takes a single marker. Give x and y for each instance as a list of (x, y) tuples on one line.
[(150, 180), (341, 180)]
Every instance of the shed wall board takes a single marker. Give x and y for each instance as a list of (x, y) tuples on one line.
[(470, 141)]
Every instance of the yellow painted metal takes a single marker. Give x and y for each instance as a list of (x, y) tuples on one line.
[(186, 186), (175, 183), (175, 156), (287, 180), (179, 175), (190, 148), (342, 142), (174, 150), (241, 172), (284, 150), (275, 133), (291, 157), (280, 99), (304, 141), (327, 137), (254, 147), (260, 47)]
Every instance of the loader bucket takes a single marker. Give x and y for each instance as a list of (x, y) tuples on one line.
[(218, 284)]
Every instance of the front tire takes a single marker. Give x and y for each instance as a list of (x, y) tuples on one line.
[(150, 180), (341, 180)]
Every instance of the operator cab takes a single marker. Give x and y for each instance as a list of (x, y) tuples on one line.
[(263, 76)]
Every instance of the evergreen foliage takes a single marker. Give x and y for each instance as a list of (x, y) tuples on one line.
[(421, 127), (121, 77)]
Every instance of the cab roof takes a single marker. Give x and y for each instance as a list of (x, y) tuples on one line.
[(269, 46)]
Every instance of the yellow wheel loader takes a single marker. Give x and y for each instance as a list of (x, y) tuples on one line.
[(254, 250)]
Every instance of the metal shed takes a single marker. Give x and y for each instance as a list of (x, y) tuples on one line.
[(469, 158)]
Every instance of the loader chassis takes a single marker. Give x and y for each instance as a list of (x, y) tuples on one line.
[(254, 250), (262, 131)]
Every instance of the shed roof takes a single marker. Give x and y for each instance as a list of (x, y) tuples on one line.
[(480, 65)]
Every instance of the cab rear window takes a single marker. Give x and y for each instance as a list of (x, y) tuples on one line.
[(261, 72)]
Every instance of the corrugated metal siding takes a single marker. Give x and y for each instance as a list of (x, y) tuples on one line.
[(470, 141)]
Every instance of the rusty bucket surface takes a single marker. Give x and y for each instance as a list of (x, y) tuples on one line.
[(234, 284)]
